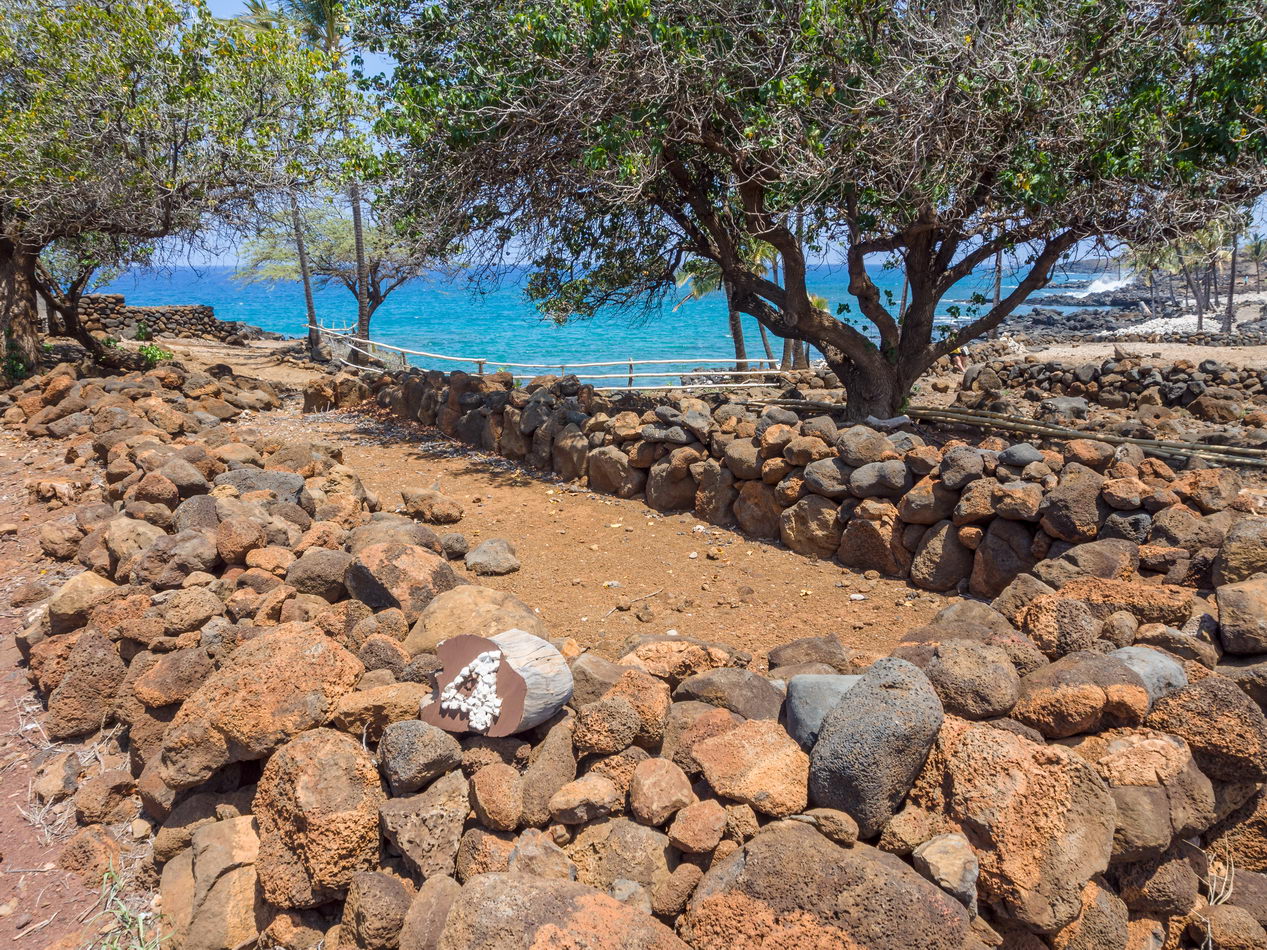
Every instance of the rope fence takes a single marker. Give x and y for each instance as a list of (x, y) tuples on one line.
[(397, 356)]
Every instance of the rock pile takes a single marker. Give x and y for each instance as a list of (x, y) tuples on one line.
[(163, 402), (961, 517), (109, 315), (1079, 763), (1213, 391)]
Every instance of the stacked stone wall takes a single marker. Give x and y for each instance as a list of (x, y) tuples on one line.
[(959, 517), (111, 315)]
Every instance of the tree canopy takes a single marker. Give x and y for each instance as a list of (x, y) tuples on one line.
[(391, 260), (141, 119), (605, 142)]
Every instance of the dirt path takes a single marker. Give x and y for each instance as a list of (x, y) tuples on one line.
[(40, 904), (585, 555)]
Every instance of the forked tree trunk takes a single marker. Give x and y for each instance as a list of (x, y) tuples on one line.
[(871, 391)]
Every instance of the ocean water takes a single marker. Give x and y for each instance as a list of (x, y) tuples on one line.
[(443, 316)]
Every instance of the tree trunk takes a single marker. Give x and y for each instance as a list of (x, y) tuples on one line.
[(736, 328), (765, 342), (870, 391), (22, 320), (1195, 289), (998, 286), (305, 275), (362, 268), (1231, 290), (800, 355), (785, 362)]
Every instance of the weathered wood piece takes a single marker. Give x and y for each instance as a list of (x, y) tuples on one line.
[(499, 685)]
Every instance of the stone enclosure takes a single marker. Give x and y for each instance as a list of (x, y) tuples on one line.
[(961, 517), (1076, 758), (110, 315)]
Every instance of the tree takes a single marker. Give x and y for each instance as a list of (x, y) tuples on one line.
[(605, 143), (324, 25), (137, 120), (72, 267), (1256, 251), (704, 277), (329, 239)]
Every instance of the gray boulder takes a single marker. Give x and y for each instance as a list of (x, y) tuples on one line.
[(873, 744), (320, 571), (827, 477), (881, 480), (413, 753), (1161, 673), (493, 557), (287, 486), (741, 691), (810, 697)]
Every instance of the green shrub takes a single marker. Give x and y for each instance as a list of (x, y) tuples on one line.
[(15, 367), (143, 331), (153, 354)]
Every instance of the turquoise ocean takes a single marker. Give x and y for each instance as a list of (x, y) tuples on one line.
[(443, 315)]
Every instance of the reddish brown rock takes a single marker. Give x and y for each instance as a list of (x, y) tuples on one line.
[(497, 796), (691, 722), (82, 701), (483, 852), (697, 828), (759, 764), (1225, 728), (590, 797), (270, 689), (398, 575), (1148, 603), (1081, 692), (789, 887), (658, 790), (650, 698), (496, 910), (1039, 817), (317, 805)]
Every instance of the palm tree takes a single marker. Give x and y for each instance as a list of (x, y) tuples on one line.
[(323, 24), (702, 278), (1256, 251)]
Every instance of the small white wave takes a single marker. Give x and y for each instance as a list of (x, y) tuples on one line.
[(1101, 284)]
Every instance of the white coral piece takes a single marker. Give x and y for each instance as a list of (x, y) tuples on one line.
[(481, 705)]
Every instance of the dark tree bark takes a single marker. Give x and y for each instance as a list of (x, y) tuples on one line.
[(21, 314), (1229, 314), (765, 342), (736, 330), (305, 274), (362, 270), (786, 360)]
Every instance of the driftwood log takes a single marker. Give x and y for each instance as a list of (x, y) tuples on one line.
[(497, 685)]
